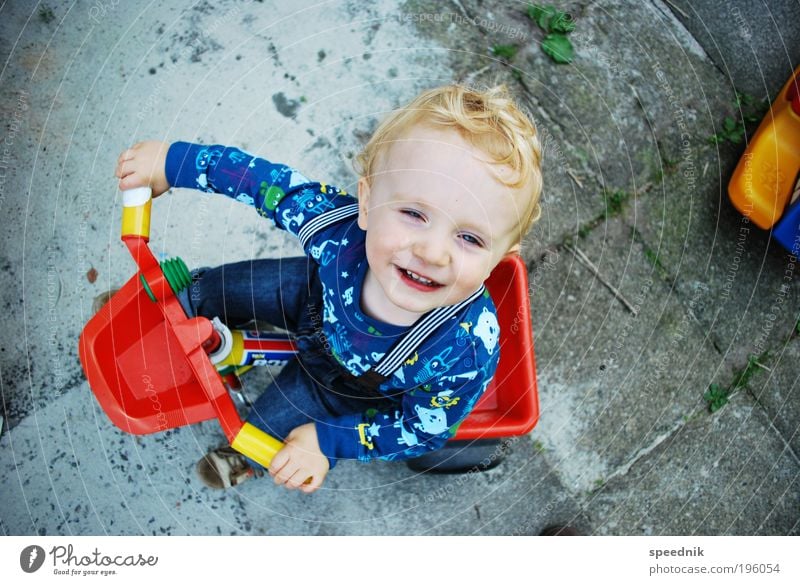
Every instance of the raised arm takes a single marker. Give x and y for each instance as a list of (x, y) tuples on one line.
[(276, 191)]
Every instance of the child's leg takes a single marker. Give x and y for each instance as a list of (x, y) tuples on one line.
[(290, 401), (269, 290)]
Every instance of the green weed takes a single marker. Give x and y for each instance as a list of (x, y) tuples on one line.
[(717, 396), (557, 25), (748, 110), (46, 14), (615, 202), (506, 52)]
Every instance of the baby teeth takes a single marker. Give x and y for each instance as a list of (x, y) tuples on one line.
[(418, 278)]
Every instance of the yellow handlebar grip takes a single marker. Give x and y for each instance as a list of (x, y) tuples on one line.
[(254, 443), (136, 212), (136, 221)]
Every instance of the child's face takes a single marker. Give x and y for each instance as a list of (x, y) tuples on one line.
[(438, 221)]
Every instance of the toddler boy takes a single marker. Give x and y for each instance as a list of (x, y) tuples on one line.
[(397, 336)]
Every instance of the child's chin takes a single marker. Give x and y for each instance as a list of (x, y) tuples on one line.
[(414, 306)]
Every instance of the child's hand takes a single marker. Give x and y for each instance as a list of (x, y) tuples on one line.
[(299, 460), (142, 165)]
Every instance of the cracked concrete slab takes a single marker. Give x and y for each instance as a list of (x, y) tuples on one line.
[(612, 383), (759, 48), (777, 390), (67, 470), (750, 292), (727, 473)]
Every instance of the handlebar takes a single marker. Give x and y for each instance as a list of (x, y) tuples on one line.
[(195, 336)]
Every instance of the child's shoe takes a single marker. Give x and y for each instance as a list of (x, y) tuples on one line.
[(225, 467)]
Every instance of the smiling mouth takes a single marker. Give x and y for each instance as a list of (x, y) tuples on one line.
[(418, 279)]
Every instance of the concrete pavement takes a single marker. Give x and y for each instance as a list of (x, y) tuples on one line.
[(635, 200)]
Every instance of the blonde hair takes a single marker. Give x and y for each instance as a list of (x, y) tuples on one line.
[(489, 119)]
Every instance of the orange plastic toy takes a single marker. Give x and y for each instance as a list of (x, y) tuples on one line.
[(765, 181), (150, 369)]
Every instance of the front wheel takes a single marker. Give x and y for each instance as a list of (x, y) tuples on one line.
[(461, 457)]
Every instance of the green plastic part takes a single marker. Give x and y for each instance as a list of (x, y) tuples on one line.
[(147, 289), (177, 274)]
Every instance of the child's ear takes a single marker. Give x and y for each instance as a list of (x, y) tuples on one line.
[(363, 202)]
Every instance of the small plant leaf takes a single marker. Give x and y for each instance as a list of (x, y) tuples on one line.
[(717, 404), (541, 15), (506, 52), (743, 99), (716, 397), (558, 47), (561, 22)]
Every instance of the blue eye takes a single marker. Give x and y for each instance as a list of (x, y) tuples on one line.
[(412, 213), (472, 240)]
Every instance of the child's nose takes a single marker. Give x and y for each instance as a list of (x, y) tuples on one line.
[(432, 251)]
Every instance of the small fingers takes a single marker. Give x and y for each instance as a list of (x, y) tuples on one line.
[(299, 480), (282, 468), (311, 485), (130, 181), (126, 154), (286, 477), (280, 459), (124, 167)]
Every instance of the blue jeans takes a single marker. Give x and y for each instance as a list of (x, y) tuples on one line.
[(287, 293)]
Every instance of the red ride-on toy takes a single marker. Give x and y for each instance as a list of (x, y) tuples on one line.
[(152, 368)]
